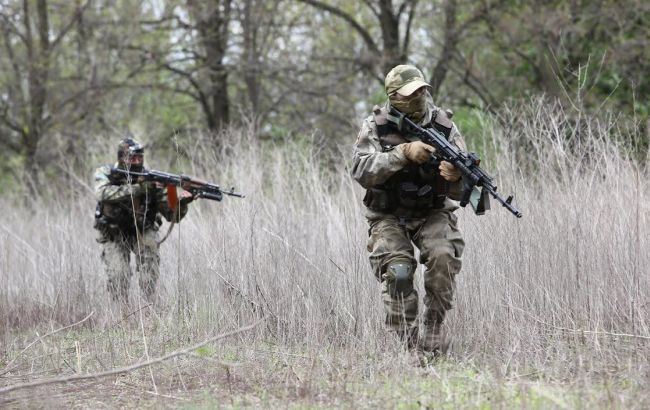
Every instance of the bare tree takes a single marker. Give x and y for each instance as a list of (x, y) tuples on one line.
[(457, 20), (30, 41), (197, 35), (393, 50)]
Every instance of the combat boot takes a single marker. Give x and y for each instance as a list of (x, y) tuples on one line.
[(431, 343), (409, 336)]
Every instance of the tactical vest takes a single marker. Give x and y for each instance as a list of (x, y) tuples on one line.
[(139, 213), (415, 187)]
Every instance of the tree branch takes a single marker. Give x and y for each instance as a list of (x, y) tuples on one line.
[(409, 21), (481, 13), (202, 97), (10, 27), (11, 124), (371, 7), (75, 18), (10, 144), (126, 369), (367, 38), (38, 339)]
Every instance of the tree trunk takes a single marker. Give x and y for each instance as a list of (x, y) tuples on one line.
[(449, 44), (38, 69), (251, 59), (212, 22), (392, 53)]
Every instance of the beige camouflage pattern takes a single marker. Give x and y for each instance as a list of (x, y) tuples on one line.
[(372, 167), (118, 245), (392, 237), (105, 192), (404, 79), (116, 257), (441, 247)]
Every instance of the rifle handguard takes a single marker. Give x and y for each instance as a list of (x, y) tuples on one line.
[(209, 195)]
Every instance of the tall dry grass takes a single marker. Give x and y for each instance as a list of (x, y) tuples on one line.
[(563, 292)]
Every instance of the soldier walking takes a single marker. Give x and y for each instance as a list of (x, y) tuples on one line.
[(409, 203), (128, 216)]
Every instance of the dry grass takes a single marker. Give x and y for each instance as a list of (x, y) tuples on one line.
[(552, 310)]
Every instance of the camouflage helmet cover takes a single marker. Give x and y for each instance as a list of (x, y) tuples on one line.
[(129, 146), (404, 80)]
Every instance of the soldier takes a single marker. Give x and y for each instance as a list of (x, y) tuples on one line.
[(128, 217), (408, 203)]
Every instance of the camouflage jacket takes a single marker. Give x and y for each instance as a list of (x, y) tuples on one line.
[(380, 166), (122, 206)]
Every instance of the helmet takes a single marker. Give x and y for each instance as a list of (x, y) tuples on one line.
[(129, 146), (404, 80), (130, 155)]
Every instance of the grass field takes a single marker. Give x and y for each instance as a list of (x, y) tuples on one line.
[(552, 310)]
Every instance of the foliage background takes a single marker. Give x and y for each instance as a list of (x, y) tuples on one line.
[(73, 73)]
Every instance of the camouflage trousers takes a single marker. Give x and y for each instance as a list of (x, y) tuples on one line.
[(116, 256), (392, 240)]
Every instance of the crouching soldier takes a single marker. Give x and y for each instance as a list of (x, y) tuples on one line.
[(128, 216)]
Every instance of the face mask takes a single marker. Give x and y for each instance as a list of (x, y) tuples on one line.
[(414, 108), (133, 167)]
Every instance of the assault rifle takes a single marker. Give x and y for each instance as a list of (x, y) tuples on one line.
[(468, 164), (197, 187)]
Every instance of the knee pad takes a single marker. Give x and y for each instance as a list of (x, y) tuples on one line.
[(399, 275)]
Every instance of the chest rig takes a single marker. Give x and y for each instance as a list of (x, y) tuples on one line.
[(415, 187), (139, 213)]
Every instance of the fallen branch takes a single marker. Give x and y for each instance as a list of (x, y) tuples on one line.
[(38, 339), (126, 369), (122, 319)]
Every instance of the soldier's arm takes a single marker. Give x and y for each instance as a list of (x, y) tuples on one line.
[(371, 166), (169, 214), (107, 192)]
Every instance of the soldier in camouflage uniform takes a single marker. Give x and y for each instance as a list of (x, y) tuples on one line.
[(409, 202), (127, 218)]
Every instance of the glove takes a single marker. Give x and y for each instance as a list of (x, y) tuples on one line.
[(418, 151), (449, 172), (186, 197), (152, 185), (150, 188)]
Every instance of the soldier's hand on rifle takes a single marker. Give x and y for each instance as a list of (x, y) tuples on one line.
[(418, 151), (449, 172), (186, 197), (150, 187), (137, 180)]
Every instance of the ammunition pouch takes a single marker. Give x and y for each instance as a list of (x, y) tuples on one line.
[(416, 187), (112, 227), (407, 195), (413, 196), (381, 200)]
